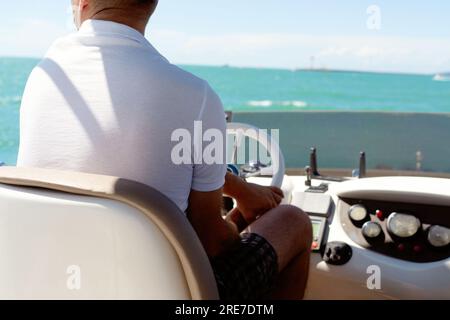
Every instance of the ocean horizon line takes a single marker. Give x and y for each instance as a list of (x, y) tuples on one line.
[(273, 68)]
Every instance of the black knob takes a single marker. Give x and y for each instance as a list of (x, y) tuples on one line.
[(337, 253), (362, 165), (313, 162)]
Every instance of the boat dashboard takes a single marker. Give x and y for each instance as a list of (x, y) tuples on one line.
[(375, 238)]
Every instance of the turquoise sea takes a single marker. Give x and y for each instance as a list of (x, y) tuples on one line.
[(263, 90)]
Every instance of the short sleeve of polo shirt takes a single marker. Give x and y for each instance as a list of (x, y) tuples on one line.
[(209, 176)]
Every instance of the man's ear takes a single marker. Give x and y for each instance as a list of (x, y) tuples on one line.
[(85, 3)]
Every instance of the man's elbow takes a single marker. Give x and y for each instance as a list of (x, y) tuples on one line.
[(218, 243)]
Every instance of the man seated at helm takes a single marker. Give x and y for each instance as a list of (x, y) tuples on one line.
[(105, 101)]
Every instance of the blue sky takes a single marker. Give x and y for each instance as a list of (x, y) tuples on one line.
[(414, 35)]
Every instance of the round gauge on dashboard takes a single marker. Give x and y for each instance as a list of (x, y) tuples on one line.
[(371, 230), (373, 233), (438, 236), (403, 225), (358, 214)]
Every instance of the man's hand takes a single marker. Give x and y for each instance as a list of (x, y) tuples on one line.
[(257, 200), (253, 200)]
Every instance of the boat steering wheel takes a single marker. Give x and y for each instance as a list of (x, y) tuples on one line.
[(253, 169)]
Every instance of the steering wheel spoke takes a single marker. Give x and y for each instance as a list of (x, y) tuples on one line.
[(255, 168)]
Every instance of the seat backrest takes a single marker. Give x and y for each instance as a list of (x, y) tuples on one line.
[(66, 235)]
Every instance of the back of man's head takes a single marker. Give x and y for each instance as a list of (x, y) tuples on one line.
[(132, 12)]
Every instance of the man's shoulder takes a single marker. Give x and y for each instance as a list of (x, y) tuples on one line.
[(60, 48), (185, 78)]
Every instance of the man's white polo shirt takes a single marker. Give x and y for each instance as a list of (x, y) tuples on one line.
[(104, 101)]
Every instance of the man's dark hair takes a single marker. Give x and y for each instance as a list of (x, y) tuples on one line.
[(149, 3), (145, 2)]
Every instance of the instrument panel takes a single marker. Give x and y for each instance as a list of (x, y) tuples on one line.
[(411, 232), (318, 225), (319, 207)]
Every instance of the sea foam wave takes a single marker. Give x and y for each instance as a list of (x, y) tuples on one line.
[(439, 77), (442, 80), (4, 101), (270, 103)]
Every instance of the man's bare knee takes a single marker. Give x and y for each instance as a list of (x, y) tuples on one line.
[(288, 229), (300, 221)]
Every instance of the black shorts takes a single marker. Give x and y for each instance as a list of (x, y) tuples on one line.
[(248, 272)]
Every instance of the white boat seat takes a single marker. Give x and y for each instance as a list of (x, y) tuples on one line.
[(66, 235)]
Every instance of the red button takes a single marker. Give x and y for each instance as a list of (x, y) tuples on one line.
[(418, 248), (380, 214), (401, 247), (315, 245)]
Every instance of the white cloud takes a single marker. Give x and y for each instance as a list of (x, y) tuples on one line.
[(375, 53), (29, 38)]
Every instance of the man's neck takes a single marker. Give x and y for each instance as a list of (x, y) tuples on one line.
[(118, 16)]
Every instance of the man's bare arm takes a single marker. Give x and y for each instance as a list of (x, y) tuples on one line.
[(216, 234)]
